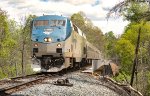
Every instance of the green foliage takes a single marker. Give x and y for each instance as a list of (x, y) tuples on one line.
[(93, 33), (10, 71), (78, 19), (132, 30), (25, 41), (135, 11), (122, 78), (148, 86), (12, 38), (110, 42), (28, 69), (2, 74), (26, 31), (6, 42), (125, 51), (131, 34)]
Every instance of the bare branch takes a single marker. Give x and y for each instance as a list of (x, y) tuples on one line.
[(118, 8)]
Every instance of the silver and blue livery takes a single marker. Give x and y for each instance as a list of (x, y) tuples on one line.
[(58, 44)]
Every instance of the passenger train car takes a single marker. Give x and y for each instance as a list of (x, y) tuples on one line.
[(58, 44)]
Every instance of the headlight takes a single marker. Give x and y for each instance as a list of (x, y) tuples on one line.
[(59, 45), (35, 45), (47, 39)]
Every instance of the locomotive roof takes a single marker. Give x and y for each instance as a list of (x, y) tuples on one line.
[(50, 17)]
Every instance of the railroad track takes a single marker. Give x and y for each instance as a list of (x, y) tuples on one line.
[(39, 79), (12, 85), (15, 84), (22, 85), (27, 76)]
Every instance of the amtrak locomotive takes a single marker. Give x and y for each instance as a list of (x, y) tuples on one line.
[(59, 44)]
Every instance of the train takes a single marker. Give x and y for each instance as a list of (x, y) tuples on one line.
[(57, 44)]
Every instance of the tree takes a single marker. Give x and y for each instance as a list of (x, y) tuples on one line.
[(78, 19), (143, 55), (110, 44), (136, 12), (7, 44), (6, 41), (127, 4), (93, 33), (25, 40), (125, 51)]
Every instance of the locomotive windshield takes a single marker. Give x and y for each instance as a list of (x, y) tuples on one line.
[(52, 23), (57, 23), (41, 23)]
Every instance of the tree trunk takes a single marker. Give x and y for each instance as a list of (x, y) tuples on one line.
[(22, 56), (136, 57)]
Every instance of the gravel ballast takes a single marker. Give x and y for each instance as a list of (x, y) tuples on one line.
[(83, 85)]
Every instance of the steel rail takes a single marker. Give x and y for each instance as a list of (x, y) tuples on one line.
[(8, 90)]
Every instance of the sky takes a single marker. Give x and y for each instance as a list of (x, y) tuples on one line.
[(95, 10)]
